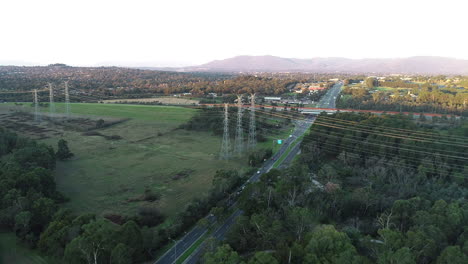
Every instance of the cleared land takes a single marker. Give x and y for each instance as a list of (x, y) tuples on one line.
[(109, 176), (162, 100)]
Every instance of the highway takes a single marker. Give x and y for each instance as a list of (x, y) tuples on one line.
[(329, 99), (182, 245)]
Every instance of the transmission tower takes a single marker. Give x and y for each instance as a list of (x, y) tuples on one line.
[(225, 145), (252, 133), (36, 107), (67, 101), (239, 145), (51, 100)]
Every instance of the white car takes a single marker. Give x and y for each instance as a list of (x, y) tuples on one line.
[(258, 172)]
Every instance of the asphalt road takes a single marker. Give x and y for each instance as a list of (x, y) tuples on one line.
[(182, 245), (329, 99)]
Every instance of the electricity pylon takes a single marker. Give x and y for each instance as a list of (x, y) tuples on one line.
[(51, 100), (239, 144), (36, 107), (67, 100), (252, 130), (225, 144)]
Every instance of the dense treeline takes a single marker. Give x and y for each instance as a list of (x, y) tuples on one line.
[(27, 188), (107, 82), (429, 100), (360, 192)]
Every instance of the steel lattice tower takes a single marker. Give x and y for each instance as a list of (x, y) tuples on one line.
[(239, 144), (67, 100), (36, 107), (225, 145), (51, 99), (252, 130)]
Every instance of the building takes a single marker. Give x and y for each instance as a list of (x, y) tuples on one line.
[(272, 99), (316, 88)]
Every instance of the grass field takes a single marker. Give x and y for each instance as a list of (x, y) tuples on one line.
[(106, 175), (389, 89), (11, 252)]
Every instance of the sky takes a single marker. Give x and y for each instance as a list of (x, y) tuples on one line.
[(189, 32)]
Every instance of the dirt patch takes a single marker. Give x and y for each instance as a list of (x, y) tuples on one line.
[(161, 100), (95, 133), (149, 196), (48, 126), (182, 174), (115, 218)]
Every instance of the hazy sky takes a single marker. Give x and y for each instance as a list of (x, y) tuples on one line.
[(176, 32)]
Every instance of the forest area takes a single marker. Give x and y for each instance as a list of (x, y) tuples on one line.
[(93, 84), (429, 96), (365, 189)]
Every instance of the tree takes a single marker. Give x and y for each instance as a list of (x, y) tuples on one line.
[(96, 239), (130, 235), (74, 253), (63, 152), (327, 245), (121, 254), (452, 255), (218, 212), (263, 258), (401, 256), (300, 221), (223, 254), (22, 223), (43, 210), (54, 239)]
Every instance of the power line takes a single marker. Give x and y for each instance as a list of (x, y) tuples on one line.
[(36, 107), (51, 99), (368, 131), (252, 129), (331, 147), (239, 143), (373, 132), (422, 133), (378, 152), (67, 100), (225, 144)]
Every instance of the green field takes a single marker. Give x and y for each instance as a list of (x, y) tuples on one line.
[(168, 114), (106, 175), (12, 252), (389, 89)]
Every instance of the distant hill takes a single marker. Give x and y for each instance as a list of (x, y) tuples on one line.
[(411, 65)]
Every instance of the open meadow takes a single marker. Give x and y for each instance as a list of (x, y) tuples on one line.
[(143, 150)]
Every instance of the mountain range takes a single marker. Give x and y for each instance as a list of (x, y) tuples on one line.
[(410, 65), (252, 64)]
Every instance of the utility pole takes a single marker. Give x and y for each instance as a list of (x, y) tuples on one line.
[(51, 100), (67, 100), (252, 131), (225, 144), (36, 107), (239, 145)]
